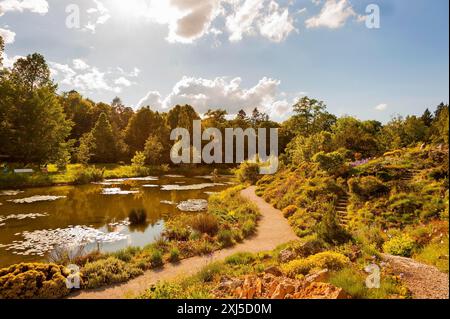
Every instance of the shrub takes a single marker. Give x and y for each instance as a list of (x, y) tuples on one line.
[(108, 271), (87, 175), (29, 281), (205, 223), (174, 255), (156, 258), (240, 259), (367, 187), (289, 211), (329, 162), (436, 254), (248, 228), (328, 259), (127, 254), (330, 231), (225, 237), (137, 217), (401, 245), (248, 172)]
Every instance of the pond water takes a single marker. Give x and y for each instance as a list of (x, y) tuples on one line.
[(33, 222)]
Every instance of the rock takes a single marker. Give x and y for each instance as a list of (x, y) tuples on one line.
[(286, 255), (309, 248), (320, 290), (280, 292), (320, 276), (273, 270)]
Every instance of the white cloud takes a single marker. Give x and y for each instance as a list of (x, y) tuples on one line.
[(242, 21), (249, 17), (153, 99), (123, 82), (79, 64), (7, 35), (222, 92), (278, 24), (334, 14), (101, 14), (381, 107), (89, 79), (35, 6), (9, 62)]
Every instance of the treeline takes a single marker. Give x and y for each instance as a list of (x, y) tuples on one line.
[(39, 126)]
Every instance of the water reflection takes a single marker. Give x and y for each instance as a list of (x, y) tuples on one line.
[(88, 206)]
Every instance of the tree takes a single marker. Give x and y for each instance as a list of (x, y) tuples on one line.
[(104, 142), (2, 48), (182, 117), (427, 118), (79, 111), (440, 128), (310, 117), (37, 128), (32, 73), (143, 124), (153, 151)]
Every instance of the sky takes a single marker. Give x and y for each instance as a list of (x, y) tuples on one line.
[(241, 54)]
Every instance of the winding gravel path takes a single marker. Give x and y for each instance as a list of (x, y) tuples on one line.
[(273, 230), (424, 281)]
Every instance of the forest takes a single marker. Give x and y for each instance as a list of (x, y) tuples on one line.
[(41, 126)]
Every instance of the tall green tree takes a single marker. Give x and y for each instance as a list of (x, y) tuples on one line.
[(103, 140), (142, 124), (34, 128), (32, 73), (2, 48)]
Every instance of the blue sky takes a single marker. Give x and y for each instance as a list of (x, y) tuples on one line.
[(241, 53)]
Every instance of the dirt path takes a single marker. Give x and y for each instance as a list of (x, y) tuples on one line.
[(424, 281), (273, 230)]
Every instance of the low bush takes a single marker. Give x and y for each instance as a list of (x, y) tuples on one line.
[(248, 228), (324, 260), (108, 271), (248, 173), (289, 211), (367, 187), (401, 245), (37, 281), (225, 237), (240, 259), (87, 175), (174, 255), (205, 223)]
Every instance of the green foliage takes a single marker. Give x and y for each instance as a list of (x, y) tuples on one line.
[(240, 259), (174, 255), (248, 172), (156, 258), (87, 175), (225, 237), (154, 150), (367, 187), (436, 254), (33, 281), (330, 231), (108, 271), (401, 245), (331, 162), (104, 142)]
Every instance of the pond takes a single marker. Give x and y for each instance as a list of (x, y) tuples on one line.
[(34, 222)]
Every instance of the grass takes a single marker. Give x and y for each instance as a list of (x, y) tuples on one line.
[(436, 254), (77, 174)]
